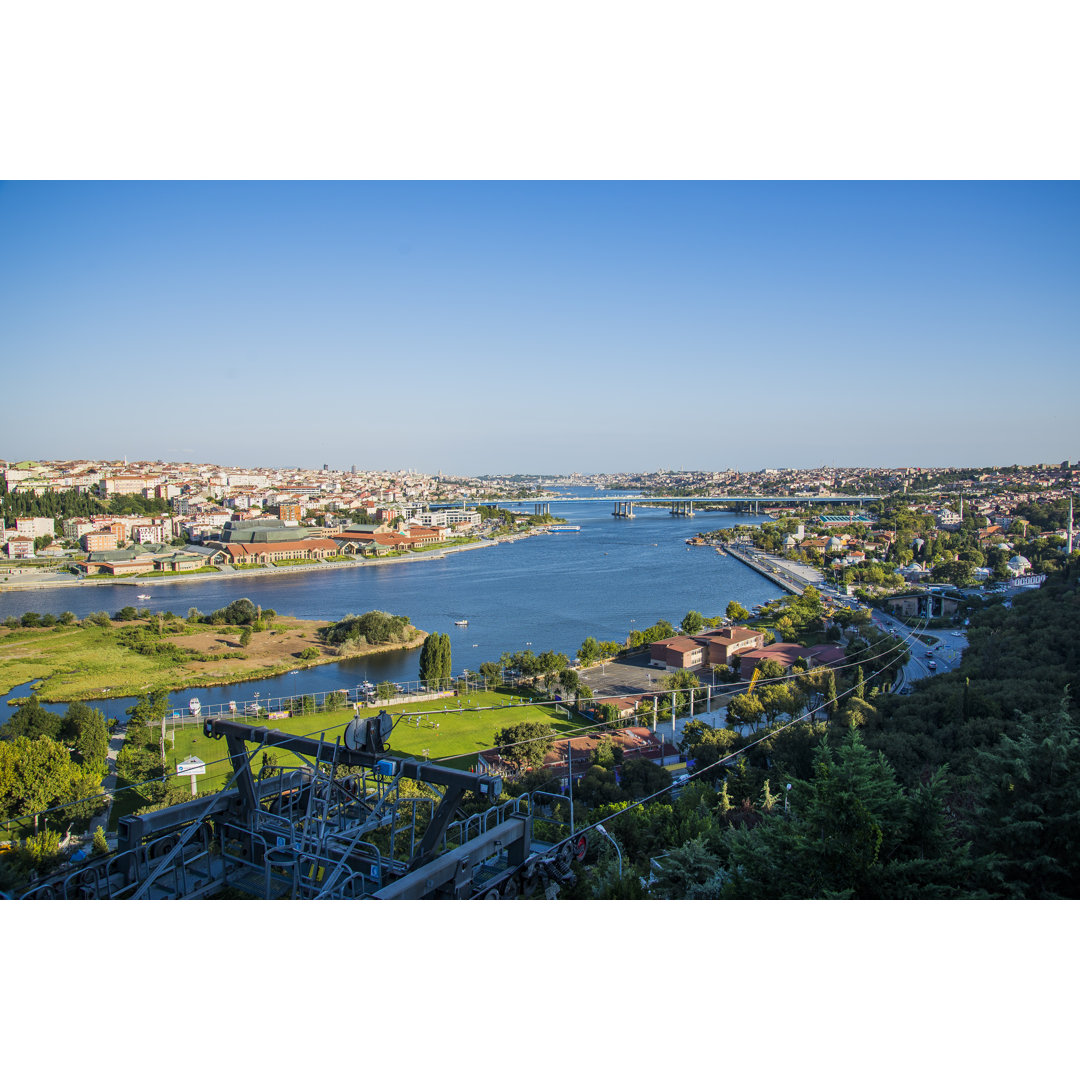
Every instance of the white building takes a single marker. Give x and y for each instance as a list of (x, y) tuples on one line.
[(34, 527)]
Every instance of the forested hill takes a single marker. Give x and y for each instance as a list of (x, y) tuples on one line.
[(1019, 660), (968, 788)]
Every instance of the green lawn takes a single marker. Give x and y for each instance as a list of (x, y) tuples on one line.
[(456, 741)]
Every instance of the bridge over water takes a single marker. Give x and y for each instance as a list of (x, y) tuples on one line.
[(679, 506)]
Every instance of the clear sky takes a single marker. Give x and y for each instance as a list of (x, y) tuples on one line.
[(495, 327)]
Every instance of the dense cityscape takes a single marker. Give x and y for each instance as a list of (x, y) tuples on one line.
[(886, 584)]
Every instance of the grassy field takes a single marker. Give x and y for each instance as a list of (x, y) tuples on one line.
[(456, 741), (75, 662), (86, 662)]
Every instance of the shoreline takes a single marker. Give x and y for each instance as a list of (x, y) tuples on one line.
[(194, 682), (184, 578)]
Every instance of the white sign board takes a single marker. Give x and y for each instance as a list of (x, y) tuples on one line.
[(191, 766)]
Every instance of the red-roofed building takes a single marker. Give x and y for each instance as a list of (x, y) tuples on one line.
[(705, 649), (265, 553)]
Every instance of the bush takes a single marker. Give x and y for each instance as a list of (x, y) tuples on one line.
[(99, 845), (310, 653), (245, 636), (67, 618), (98, 618), (30, 618)]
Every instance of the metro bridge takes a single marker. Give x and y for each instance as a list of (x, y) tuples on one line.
[(679, 506)]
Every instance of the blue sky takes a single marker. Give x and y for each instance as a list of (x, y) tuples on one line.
[(493, 327)]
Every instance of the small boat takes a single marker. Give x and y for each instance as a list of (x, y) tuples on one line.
[(142, 596), (194, 707), (461, 622)]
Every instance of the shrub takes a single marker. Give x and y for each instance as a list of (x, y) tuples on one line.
[(100, 845), (30, 618), (245, 636), (310, 653)]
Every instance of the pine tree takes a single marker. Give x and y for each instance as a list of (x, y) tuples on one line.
[(1029, 817)]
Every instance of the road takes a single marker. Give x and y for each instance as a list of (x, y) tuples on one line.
[(946, 650)]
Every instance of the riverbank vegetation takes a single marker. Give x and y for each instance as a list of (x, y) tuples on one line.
[(134, 652)]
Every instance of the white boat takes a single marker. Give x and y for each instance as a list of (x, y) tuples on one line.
[(142, 596), (194, 707), (461, 622)]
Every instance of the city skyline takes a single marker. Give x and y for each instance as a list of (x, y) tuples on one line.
[(476, 328)]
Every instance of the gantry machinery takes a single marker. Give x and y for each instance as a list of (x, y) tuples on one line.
[(338, 825)]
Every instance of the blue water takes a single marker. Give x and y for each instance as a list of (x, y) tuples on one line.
[(545, 592)]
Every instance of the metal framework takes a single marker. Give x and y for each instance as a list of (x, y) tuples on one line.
[(337, 826)]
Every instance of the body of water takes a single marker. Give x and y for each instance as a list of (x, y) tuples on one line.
[(544, 592)]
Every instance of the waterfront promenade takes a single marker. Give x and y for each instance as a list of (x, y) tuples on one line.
[(792, 576)]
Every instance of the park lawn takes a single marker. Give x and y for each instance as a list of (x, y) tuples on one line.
[(455, 742)]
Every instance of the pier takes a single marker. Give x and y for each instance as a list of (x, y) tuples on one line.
[(777, 579)]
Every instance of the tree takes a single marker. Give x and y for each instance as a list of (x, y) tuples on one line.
[(683, 682), (736, 612), (607, 753), (526, 744), (240, 612), (589, 653), (687, 868), (430, 661), (85, 730), (385, 690), (38, 773), (693, 622), (1028, 817), (608, 714), (491, 672), (570, 681), (745, 710), (31, 719)]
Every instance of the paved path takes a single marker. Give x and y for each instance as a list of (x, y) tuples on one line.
[(108, 785)]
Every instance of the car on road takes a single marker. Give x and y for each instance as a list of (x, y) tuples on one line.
[(956, 633), (932, 665)]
